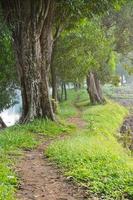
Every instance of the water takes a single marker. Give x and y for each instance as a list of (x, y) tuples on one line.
[(11, 116)]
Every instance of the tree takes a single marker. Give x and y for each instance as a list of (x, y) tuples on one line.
[(32, 24), (119, 23), (71, 13), (123, 29), (85, 51)]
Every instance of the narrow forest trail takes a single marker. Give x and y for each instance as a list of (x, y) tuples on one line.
[(42, 180)]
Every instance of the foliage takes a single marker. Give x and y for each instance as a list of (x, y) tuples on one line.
[(93, 156), (7, 69), (71, 11), (84, 48), (71, 58), (119, 23)]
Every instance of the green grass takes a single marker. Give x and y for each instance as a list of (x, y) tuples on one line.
[(93, 157), (67, 108), (11, 141), (16, 138)]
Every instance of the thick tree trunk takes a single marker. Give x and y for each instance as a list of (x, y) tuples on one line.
[(32, 36), (2, 124), (94, 89)]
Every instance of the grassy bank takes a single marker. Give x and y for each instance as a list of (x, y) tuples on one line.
[(93, 156)]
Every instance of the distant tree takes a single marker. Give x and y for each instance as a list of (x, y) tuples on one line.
[(119, 23), (85, 52)]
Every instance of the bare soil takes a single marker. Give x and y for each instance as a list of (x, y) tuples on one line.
[(42, 180), (77, 121)]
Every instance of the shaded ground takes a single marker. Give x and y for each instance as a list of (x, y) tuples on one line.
[(42, 180)]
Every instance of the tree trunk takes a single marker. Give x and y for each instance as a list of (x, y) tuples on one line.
[(53, 75), (65, 91), (76, 86), (2, 124), (98, 87), (32, 37), (94, 89), (62, 91)]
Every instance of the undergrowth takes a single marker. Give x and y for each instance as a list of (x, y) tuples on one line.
[(94, 157)]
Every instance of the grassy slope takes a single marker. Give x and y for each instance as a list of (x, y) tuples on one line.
[(12, 141), (94, 157)]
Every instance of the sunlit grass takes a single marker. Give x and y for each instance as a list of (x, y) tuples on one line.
[(93, 157)]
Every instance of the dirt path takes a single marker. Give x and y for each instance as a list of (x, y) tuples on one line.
[(77, 120), (42, 180)]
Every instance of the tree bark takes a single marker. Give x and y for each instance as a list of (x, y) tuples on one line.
[(98, 87), (32, 38), (2, 124), (65, 92), (62, 91), (53, 75), (94, 89)]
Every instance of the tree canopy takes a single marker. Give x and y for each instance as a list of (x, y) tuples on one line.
[(35, 26)]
